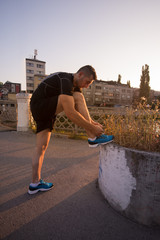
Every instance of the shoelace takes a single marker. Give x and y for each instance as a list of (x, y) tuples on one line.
[(102, 136)]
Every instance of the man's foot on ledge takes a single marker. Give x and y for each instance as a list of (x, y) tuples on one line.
[(102, 140), (41, 186)]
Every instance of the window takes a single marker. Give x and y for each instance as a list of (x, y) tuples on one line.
[(30, 71), (30, 78), (13, 88), (39, 66), (30, 85), (123, 90), (111, 90), (40, 72), (98, 87), (30, 64)]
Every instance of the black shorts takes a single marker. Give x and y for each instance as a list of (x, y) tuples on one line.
[(43, 108), (43, 112)]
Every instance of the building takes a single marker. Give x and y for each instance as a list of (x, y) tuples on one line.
[(9, 89), (38, 78), (12, 87), (108, 93), (154, 95), (33, 67)]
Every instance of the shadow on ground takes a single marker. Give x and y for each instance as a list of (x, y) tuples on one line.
[(84, 215)]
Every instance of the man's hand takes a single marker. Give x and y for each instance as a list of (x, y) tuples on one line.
[(97, 130), (96, 123), (94, 128)]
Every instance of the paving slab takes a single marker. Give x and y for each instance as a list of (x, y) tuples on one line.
[(73, 210)]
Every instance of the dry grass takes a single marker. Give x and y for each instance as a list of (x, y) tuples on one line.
[(138, 128)]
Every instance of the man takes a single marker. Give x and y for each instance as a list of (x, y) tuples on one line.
[(61, 92)]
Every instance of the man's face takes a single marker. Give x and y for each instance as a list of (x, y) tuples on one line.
[(83, 81)]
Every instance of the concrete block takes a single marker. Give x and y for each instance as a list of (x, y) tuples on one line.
[(130, 181)]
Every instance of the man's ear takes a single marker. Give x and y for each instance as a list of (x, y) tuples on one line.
[(81, 74)]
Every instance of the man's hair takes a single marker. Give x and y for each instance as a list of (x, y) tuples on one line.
[(88, 71)]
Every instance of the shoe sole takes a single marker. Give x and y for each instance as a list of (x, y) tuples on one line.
[(96, 145), (39, 190)]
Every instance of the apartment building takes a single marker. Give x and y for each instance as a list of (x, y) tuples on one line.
[(38, 78), (33, 67), (108, 93)]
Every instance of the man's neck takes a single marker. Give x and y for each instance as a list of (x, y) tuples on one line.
[(75, 79)]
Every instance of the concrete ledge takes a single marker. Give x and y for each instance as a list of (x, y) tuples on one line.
[(23, 100), (130, 182)]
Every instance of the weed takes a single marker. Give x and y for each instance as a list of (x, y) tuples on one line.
[(139, 128)]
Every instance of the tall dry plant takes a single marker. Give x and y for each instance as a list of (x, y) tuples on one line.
[(139, 128)]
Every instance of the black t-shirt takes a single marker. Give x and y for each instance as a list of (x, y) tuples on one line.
[(54, 85)]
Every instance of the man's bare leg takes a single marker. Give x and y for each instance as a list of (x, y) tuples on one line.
[(42, 141), (81, 107)]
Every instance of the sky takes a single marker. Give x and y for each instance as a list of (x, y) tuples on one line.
[(114, 36)]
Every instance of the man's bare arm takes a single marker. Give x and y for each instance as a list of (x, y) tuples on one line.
[(70, 111)]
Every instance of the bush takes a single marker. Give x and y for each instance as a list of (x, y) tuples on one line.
[(139, 128)]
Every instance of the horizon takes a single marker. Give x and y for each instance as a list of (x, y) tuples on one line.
[(109, 80)]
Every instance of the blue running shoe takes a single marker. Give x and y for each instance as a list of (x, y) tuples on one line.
[(42, 186), (102, 140)]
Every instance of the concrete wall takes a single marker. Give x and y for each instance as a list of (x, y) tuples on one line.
[(130, 181)]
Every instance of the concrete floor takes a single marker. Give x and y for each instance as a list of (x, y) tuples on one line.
[(73, 209)]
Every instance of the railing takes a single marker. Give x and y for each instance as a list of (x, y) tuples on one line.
[(97, 114), (8, 111), (64, 125)]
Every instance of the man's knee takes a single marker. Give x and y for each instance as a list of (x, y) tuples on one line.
[(78, 97), (41, 148)]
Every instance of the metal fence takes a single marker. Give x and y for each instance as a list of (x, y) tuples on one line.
[(8, 111), (64, 125), (98, 114), (8, 114)]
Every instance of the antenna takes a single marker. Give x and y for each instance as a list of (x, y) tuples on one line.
[(35, 53)]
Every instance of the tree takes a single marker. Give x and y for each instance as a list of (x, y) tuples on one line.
[(129, 83), (119, 78), (144, 83)]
